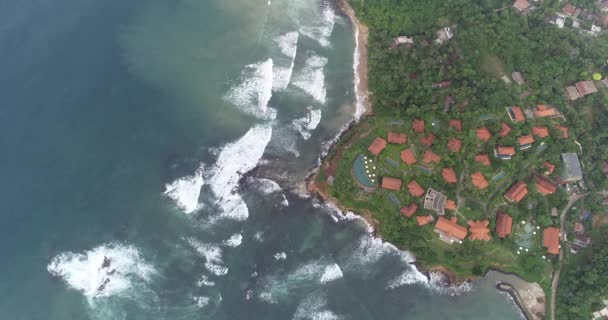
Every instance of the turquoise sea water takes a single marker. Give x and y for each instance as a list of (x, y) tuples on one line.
[(127, 127)]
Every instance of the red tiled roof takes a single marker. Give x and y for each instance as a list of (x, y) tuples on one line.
[(450, 205), (504, 224), (521, 5), (479, 230), (504, 130), (545, 186), (456, 124), (527, 139), (408, 157), (517, 192), (483, 159), (449, 175), (451, 228), (430, 156), (550, 167), (454, 144), (484, 134), (418, 125), (563, 129), (397, 138), (569, 9), (422, 220), (518, 114), (428, 140), (391, 183), (479, 180), (551, 240), (540, 131), (507, 151), (415, 189), (409, 210), (544, 111), (377, 146)]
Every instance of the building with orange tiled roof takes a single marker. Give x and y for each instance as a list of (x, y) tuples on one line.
[(483, 159), (409, 210), (391, 184), (454, 144), (415, 189), (484, 134), (540, 131), (450, 231), (428, 140), (517, 192), (545, 111), (516, 114), (377, 146), (550, 168), (423, 220), (551, 240), (564, 130), (408, 157), (430, 157), (504, 224), (504, 130), (525, 142), (522, 6), (449, 175), (418, 125), (479, 230), (456, 124), (479, 181), (397, 138), (545, 186), (450, 205), (569, 9), (504, 153)]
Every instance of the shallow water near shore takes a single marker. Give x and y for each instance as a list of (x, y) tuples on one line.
[(128, 128)]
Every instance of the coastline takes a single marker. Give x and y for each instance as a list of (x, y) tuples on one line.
[(510, 283)]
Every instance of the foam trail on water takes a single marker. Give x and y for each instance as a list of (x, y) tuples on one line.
[(288, 43), (309, 123), (234, 160), (331, 273), (312, 78), (108, 270), (321, 30), (212, 254), (253, 90), (186, 191)]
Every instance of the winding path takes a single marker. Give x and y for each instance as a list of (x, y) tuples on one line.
[(573, 199)]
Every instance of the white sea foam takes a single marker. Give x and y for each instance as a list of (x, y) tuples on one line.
[(253, 90), (284, 202), (284, 141), (212, 254), (234, 241), (280, 256), (288, 43), (311, 79), (204, 281), (201, 301), (186, 190), (321, 30), (107, 270), (234, 160), (408, 277), (268, 186), (308, 123), (359, 106), (331, 273), (314, 307)]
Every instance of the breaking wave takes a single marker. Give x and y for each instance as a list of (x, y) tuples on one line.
[(288, 43), (186, 191), (107, 270), (312, 78), (212, 254), (308, 123), (314, 307), (331, 273), (321, 30), (359, 106), (253, 90)]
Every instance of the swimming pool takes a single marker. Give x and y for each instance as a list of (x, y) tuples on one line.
[(359, 171)]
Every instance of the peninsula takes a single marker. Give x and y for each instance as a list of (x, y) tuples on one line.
[(483, 134)]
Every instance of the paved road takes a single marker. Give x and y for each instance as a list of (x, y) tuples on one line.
[(573, 199)]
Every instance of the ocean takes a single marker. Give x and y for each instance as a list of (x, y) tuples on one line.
[(153, 153)]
